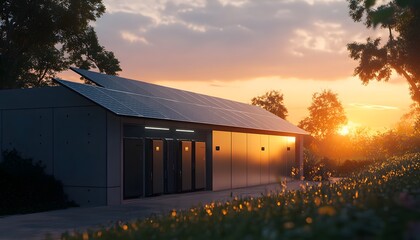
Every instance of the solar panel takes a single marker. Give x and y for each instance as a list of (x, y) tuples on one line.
[(140, 99)]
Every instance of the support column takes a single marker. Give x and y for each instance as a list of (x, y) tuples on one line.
[(299, 154)]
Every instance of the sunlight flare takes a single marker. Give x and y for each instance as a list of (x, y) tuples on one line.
[(344, 130)]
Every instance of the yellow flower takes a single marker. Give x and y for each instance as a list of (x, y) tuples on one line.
[(224, 212), (326, 210), (85, 236), (317, 201), (288, 225)]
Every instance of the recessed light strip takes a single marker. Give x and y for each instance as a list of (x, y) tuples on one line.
[(157, 128), (184, 130)]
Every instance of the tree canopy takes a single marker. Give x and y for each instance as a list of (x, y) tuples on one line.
[(401, 51), (326, 115), (40, 38), (271, 101)]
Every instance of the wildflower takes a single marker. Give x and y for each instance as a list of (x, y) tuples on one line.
[(85, 236), (326, 210), (288, 225), (224, 211), (317, 201)]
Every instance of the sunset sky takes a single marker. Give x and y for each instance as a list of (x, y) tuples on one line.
[(238, 49)]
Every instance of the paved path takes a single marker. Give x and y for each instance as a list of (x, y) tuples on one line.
[(37, 225)]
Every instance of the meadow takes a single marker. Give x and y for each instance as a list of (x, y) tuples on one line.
[(380, 202)]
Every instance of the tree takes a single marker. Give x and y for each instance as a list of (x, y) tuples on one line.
[(40, 38), (326, 115), (410, 121), (401, 52), (271, 101)]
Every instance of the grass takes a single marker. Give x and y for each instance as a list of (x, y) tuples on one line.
[(380, 202)]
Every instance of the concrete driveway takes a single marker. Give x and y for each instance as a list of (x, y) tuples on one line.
[(37, 225)]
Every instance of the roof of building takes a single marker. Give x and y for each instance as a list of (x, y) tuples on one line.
[(126, 97)]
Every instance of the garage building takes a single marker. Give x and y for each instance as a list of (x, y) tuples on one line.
[(119, 139)]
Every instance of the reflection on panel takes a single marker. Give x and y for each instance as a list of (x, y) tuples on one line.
[(264, 150), (290, 154), (186, 166), (239, 159), (157, 166), (133, 168), (200, 165), (253, 166), (285, 166), (221, 160), (275, 158)]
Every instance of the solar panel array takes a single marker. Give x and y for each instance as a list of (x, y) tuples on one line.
[(133, 98)]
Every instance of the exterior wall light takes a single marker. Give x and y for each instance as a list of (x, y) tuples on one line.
[(184, 130), (157, 128)]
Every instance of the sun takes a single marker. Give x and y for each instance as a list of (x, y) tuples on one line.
[(344, 130)]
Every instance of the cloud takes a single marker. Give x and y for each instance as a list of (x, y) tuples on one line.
[(133, 38), (230, 40), (372, 106)]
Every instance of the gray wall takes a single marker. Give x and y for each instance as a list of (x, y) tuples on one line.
[(114, 156), (30, 132), (67, 133), (80, 153)]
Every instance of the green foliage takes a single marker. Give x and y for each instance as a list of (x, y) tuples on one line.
[(401, 51), (349, 167), (271, 101), (25, 188), (381, 202), (316, 168), (43, 37), (326, 115)]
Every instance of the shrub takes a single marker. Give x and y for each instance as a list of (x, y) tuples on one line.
[(26, 188), (315, 168)]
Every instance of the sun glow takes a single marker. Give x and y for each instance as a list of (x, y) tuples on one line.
[(344, 130)]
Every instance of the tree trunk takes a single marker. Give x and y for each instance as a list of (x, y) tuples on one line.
[(414, 88)]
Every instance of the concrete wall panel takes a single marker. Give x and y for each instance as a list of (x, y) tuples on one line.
[(275, 158), (86, 196), (44, 97), (29, 131), (80, 146), (285, 171), (114, 153), (254, 161), (222, 152), (290, 154), (113, 195), (239, 160), (264, 153)]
